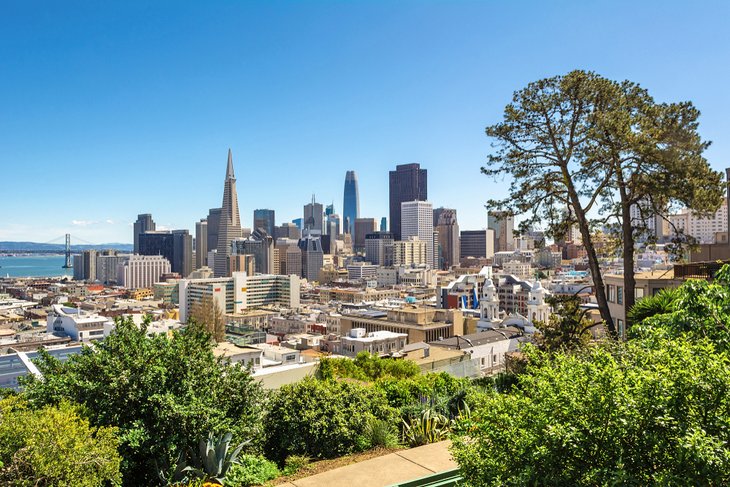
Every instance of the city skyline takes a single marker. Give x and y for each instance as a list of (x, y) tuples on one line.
[(144, 100)]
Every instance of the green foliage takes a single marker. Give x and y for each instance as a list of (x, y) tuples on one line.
[(427, 391), (163, 393), (367, 367), (322, 419), (661, 303), (295, 463), (649, 412), (430, 427), (568, 327), (697, 309), (251, 470), (379, 432), (53, 446)]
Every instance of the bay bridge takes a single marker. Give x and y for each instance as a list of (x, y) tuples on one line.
[(58, 245)]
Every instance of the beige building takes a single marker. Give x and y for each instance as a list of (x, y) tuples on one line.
[(420, 324), (647, 284), (413, 251)]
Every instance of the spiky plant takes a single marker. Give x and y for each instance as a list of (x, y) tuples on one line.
[(430, 427)]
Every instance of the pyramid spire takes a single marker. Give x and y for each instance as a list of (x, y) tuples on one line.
[(229, 169)]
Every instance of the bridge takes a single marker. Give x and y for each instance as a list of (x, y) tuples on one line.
[(58, 245)]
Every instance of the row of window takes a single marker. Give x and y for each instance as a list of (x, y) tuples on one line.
[(615, 294)]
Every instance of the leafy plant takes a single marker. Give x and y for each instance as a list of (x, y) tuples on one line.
[(379, 432), (430, 427), (295, 463), (251, 470)]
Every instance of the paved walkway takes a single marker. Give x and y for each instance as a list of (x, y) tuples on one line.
[(386, 470)]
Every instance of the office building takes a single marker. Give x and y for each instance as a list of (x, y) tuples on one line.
[(351, 202), (411, 252), (288, 230), (313, 217), (214, 223), (261, 246), (363, 226), (312, 256), (417, 221), (201, 244), (233, 295), (144, 223), (333, 225), (478, 244), (704, 229), (503, 225), (265, 219), (176, 246), (142, 271), (384, 224), (379, 248), (447, 226), (230, 221), (407, 183), (107, 266), (85, 266), (242, 263)]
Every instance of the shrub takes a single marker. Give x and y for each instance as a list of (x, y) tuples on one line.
[(295, 463), (322, 419), (54, 446), (379, 432), (430, 427), (251, 470)]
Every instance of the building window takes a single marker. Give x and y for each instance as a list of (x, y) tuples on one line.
[(638, 293), (620, 326), (611, 292), (620, 294)]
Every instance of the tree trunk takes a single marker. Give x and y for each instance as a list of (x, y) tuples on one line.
[(628, 254), (593, 264)]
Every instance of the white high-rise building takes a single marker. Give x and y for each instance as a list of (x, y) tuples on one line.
[(417, 221), (142, 271), (703, 229)]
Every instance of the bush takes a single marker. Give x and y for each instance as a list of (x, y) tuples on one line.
[(54, 446), (322, 419), (367, 367), (295, 463), (382, 433), (251, 470)]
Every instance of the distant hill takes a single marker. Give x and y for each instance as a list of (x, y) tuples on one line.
[(43, 247)]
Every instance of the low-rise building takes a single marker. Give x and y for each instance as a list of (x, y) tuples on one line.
[(77, 324)]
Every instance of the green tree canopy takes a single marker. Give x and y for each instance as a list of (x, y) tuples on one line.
[(163, 393)]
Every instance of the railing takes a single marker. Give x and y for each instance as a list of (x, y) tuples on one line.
[(698, 270)]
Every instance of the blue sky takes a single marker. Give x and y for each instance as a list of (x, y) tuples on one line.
[(112, 109)]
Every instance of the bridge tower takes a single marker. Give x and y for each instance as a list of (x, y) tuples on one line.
[(68, 264)]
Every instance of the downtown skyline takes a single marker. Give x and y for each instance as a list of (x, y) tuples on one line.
[(146, 100)]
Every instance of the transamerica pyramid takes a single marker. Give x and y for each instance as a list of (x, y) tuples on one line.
[(230, 224)]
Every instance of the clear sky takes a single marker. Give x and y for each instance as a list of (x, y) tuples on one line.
[(109, 109)]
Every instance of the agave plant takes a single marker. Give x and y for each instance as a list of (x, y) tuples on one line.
[(430, 427), (211, 462)]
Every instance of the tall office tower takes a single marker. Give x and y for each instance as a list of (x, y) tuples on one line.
[(448, 229), (407, 183), (350, 202), (85, 266), (376, 245), (299, 222), (142, 271), (411, 252), (329, 210), (312, 256), (287, 230), (363, 226), (261, 246), (503, 225), (214, 223), (477, 243), (265, 219), (313, 216), (107, 264), (416, 220), (144, 223), (201, 243), (333, 225), (175, 246), (230, 221), (384, 224)]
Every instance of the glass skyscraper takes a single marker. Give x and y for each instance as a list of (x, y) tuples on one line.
[(351, 203), (407, 183)]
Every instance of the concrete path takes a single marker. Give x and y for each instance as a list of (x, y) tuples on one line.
[(386, 470)]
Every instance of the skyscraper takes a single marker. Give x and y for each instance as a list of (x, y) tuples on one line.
[(313, 216), (230, 221), (362, 227), (175, 246), (416, 220), (201, 243), (214, 222), (407, 183), (144, 223), (448, 233), (503, 225), (384, 224), (265, 219), (351, 202)]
